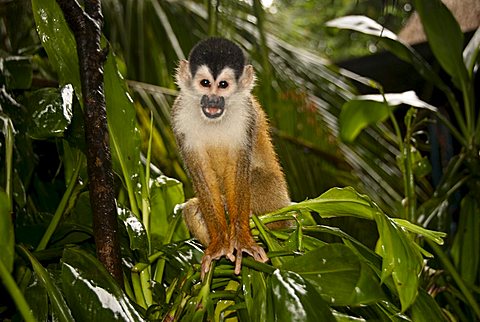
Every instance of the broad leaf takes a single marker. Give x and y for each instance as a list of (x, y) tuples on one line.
[(390, 40), (165, 194), (17, 71), (136, 232), (338, 275), (50, 112), (59, 307), (426, 309), (254, 290), (292, 298), (367, 110), (86, 281), (466, 245), (401, 259), (58, 42), (439, 25), (336, 202)]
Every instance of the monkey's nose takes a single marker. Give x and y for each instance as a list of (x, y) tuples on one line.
[(212, 106)]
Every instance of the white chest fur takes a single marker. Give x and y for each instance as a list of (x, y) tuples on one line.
[(199, 132)]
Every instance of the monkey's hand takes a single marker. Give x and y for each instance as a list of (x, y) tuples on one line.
[(244, 242), (215, 250)]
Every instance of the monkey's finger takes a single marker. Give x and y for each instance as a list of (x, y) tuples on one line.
[(238, 263), (206, 263)]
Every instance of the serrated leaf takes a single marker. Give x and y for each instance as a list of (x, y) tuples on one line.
[(86, 281), (338, 275)]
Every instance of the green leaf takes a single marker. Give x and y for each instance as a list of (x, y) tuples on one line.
[(470, 53), (58, 41), (401, 259), (50, 112), (336, 202), (367, 110), (86, 281), (292, 298), (338, 275), (254, 290), (124, 135), (17, 71), (390, 40), (466, 245), (165, 194), (426, 309), (358, 114), (439, 24), (136, 232), (7, 238), (37, 298), (59, 307)]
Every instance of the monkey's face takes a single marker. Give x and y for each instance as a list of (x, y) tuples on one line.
[(215, 94), (214, 90)]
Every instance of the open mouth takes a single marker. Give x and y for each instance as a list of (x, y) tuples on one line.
[(213, 112)]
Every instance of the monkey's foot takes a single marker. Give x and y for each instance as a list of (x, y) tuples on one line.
[(215, 251), (244, 242)]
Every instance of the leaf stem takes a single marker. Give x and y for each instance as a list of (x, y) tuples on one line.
[(61, 207), (16, 294), (456, 277)]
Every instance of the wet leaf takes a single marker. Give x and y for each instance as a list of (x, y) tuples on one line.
[(292, 298), (165, 194), (59, 307), (254, 290), (7, 238), (37, 298), (401, 259), (85, 281), (338, 275), (58, 42), (50, 112), (136, 232)]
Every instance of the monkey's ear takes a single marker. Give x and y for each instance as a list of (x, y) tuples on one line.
[(247, 80), (183, 76)]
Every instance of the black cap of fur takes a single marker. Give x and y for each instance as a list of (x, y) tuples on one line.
[(217, 53)]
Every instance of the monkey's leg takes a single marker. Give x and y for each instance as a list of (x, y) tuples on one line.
[(237, 186), (212, 213), (193, 217)]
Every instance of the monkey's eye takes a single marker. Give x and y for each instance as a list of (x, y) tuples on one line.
[(205, 83), (223, 84)]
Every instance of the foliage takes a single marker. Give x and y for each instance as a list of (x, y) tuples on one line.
[(460, 63), (50, 266)]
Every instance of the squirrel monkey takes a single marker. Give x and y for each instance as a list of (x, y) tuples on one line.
[(223, 137)]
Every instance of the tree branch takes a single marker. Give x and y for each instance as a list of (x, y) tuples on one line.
[(86, 27)]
